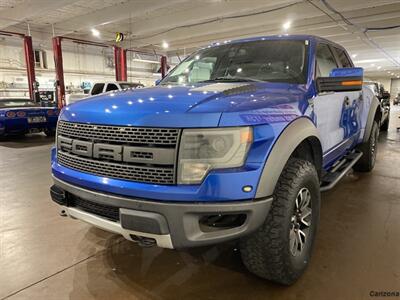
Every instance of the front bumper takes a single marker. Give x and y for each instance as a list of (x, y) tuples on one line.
[(169, 224), (21, 126)]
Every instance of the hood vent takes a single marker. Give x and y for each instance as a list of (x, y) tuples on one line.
[(226, 88)]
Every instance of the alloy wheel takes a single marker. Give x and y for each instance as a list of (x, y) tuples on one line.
[(300, 222)]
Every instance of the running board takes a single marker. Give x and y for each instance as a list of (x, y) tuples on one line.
[(339, 170)]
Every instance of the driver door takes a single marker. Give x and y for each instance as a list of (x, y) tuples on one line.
[(336, 112)]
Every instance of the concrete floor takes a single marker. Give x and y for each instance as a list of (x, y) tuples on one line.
[(45, 256)]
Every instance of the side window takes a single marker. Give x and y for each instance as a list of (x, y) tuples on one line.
[(343, 59), (111, 87), (325, 60), (97, 88)]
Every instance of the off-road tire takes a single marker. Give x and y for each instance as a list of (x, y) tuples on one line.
[(385, 125), (369, 149), (50, 133), (266, 252)]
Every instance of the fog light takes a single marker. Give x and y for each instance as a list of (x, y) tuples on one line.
[(247, 188)]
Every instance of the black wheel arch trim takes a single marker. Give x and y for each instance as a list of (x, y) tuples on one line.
[(374, 108), (291, 137)]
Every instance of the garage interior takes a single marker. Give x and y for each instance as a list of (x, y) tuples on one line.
[(46, 256)]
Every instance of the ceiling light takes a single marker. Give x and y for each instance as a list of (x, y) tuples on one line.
[(95, 32), (370, 61), (379, 67), (286, 25), (354, 55), (146, 61), (165, 45)]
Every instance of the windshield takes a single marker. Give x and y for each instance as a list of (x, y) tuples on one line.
[(130, 85), (274, 60), (12, 103)]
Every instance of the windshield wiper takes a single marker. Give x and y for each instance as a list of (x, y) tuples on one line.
[(232, 79)]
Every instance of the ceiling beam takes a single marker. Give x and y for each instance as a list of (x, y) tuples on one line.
[(27, 10)]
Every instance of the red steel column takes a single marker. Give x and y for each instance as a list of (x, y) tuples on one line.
[(163, 66), (123, 66), (117, 62), (58, 62), (30, 66)]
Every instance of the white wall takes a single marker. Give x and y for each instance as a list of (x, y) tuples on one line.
[(81, 63), (395, 90)]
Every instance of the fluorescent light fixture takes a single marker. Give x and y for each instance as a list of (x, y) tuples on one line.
[(165, 45), (354, 55), (146, 61), (368, 61), (379, 67), (287, 25), (95, 32)]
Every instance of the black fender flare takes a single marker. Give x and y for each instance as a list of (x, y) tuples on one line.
[(375, 105), (290, 138)]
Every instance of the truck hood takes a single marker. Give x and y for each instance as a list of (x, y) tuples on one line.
[(199, 105)]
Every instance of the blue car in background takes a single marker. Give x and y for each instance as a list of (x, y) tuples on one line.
[(19, 116)]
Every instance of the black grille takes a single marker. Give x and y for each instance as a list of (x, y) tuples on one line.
[(117, 170), (143, 166), (109, 212), (120, 134)]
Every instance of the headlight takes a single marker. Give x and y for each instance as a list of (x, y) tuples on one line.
[(202, 150)]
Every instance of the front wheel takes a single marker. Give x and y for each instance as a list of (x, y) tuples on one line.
[(281, 248)]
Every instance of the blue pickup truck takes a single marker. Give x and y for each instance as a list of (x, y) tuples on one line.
[(235, 143)]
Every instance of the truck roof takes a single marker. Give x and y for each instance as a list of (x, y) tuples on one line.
[(293, 37)]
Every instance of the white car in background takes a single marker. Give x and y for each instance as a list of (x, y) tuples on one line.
[(103, 87)]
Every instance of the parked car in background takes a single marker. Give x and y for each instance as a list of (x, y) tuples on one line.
[(19, 116), (384, 99), (396, 101), (103, 87)]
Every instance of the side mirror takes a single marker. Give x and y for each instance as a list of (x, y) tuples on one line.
[(157, 81), (341, 80)]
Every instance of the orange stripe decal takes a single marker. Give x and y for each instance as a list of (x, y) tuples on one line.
[(353, 82)]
